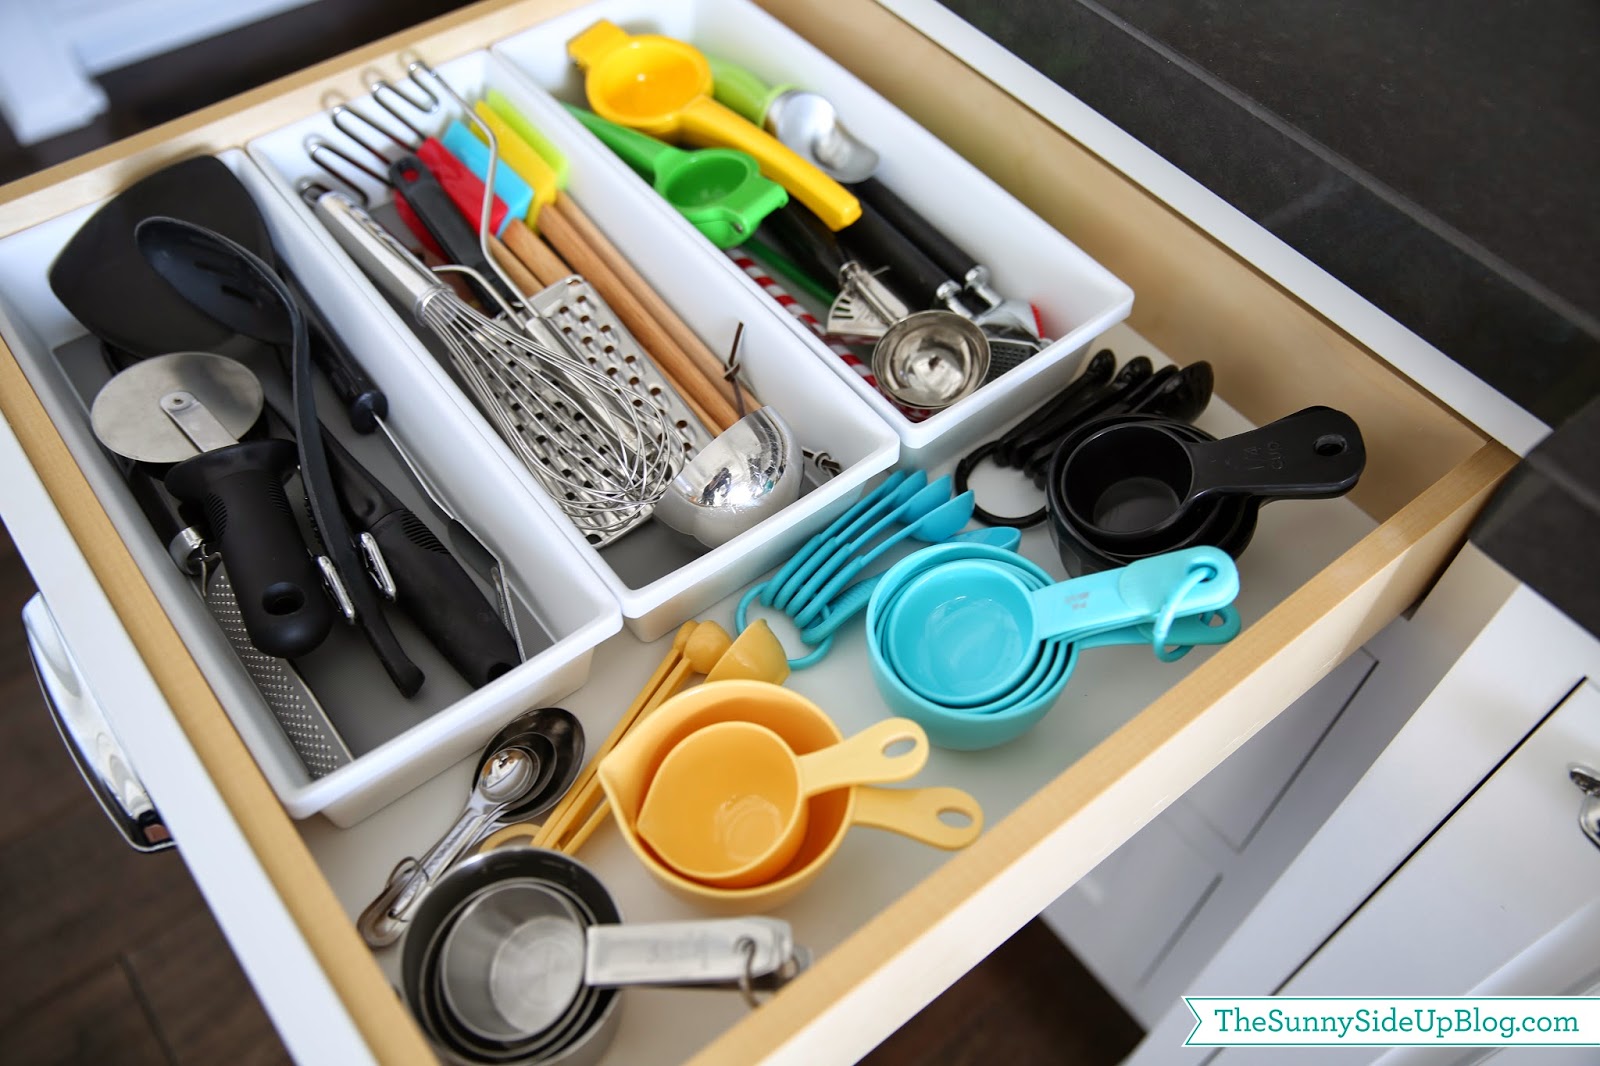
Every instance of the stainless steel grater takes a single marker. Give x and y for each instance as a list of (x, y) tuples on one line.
[(301, 717), (592, 330)]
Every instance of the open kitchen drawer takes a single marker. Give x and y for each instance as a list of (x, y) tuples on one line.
[(913, 929)]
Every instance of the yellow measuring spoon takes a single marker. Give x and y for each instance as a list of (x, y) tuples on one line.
[(663, 87), (728, 806)]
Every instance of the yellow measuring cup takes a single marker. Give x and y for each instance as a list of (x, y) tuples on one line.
[(728, 806), (663, 86)]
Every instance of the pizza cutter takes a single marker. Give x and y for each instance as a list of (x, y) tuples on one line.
[(189, 409)]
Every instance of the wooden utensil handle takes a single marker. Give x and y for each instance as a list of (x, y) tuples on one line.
[(526, 281), (568, 225), (535, 254)]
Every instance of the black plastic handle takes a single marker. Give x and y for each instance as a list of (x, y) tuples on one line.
[(413, 181), (240, 488), (944, 252), (803, 235), (364, 402), (1316, 453), (431, 586), (446, 604), (873, 242)]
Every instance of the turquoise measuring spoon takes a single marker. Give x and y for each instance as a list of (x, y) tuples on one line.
[(935, 527), (912, 508), (719, 190), (887, 501), (966, 633), (855, 598), (769, 595)]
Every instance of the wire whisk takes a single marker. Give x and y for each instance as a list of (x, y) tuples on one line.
[(602, 453)]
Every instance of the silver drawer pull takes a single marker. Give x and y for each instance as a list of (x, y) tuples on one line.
[(91, 743), (1587, 782)]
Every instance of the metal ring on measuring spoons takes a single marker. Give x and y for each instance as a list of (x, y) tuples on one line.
[(741, 622)]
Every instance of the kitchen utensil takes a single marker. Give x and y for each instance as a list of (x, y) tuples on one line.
[(938, 525), (583, 1036), (727, 806), (515, 960), (455, 240), (320, 748), (1095, 376), (931, 359), (555, 736), (682, 954), (750, 471), (700, 647), (506, 778), (1135, 481), (189, 408), (1032, 440), (663, 87), (605, 477), (968, 632), (894, 490), (103, 280), (837, 611), (719, 190), (627, 773), (865, 307), (904, 506), (1002, 720), (1230, 526), (680, 356), (573, 308), (808, 123), (429, 585), (805, 121), (136, 311), (294, 706), (755, 655), (174, 247)]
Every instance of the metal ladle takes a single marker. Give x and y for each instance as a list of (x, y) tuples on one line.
[(506, 778), (749, 471)]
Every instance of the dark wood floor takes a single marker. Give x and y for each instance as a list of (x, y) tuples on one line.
[(112, 958)]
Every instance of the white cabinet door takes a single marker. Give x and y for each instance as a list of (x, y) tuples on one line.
[(1149, 916), (1503, 899)]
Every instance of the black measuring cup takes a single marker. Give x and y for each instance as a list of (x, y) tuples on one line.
[(1229, 526), (1134, 484)]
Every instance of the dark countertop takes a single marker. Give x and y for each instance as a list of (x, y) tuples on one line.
[(1439, 159)]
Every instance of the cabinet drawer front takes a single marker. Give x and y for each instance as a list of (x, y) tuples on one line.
[(1427, 476)]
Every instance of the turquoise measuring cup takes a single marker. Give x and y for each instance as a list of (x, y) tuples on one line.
[(1003, 720), (969, 632), (719, 190)]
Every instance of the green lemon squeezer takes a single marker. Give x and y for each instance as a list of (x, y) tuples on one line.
[(719, 190)]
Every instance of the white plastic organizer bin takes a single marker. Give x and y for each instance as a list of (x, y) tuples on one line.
[(1077, 298), (660, 577), (397, 744)]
